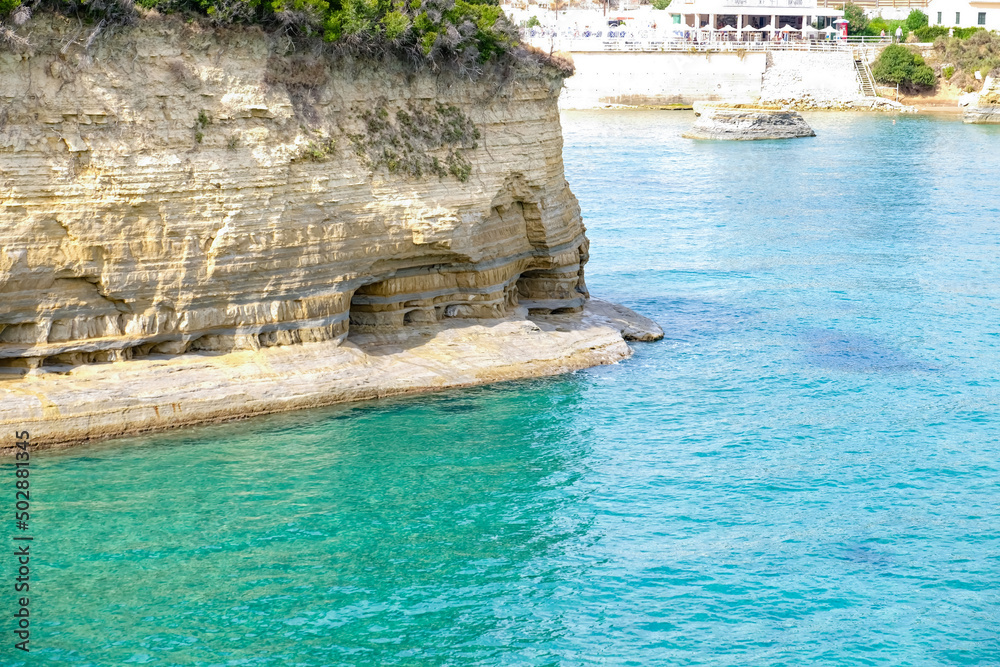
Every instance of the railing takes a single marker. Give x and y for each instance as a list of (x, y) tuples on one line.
[(870, 40), (865, 77), (895, 4), (640, 43), (867, 53)]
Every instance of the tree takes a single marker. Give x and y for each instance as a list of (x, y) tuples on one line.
[(857, 22), (917, 19), (660, 4), (898, 65)]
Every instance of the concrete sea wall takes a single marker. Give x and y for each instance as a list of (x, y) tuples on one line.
[(652, 78)]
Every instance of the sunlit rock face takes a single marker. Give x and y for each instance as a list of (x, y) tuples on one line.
[(985, 108), (172, 189)]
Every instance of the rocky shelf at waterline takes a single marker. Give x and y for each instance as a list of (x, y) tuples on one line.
[(746, 123), (62, 407)]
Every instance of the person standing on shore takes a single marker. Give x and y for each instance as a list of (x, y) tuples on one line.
[(899, 34)]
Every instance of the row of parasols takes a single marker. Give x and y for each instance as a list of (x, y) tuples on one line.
[(829, 30)]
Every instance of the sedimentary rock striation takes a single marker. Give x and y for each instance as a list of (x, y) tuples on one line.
[(173, 190), (985, 109), (173, 196), (746, 122)]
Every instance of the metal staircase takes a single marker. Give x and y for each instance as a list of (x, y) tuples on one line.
[(865, 77)]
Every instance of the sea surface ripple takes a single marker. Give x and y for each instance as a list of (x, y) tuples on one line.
[(806, 471)]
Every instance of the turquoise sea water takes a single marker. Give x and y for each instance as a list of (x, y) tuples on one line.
[(806, 471)]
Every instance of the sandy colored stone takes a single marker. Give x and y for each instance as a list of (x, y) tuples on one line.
[(175, 189), (157, 392), (984, 108), (631, 324)]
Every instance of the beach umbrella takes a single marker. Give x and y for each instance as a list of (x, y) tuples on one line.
[(809, 28), (789, 28), (727, 28), (840, 20), (767, 28), (830, 30), (751, 28)]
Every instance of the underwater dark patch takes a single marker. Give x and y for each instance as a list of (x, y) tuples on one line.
[(853, 353)]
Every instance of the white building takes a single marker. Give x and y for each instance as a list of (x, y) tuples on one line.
[(752, 15), (964, 13), (700, 21)]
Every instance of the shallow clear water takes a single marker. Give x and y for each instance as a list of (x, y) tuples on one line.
[(805, 472)]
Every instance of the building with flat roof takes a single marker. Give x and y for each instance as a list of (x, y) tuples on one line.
[(701, 21), (752, 15), (964, 13)]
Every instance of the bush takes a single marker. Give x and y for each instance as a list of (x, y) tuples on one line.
[(916, 20), (930, 32), (898, 65), (877, 25), (965, 33), (979, 52), (467, 31), (948, 72), (7, 6), (660, 4)]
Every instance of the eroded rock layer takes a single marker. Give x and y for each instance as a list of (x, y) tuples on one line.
[(173, 190), (745, 123), (985, 109)]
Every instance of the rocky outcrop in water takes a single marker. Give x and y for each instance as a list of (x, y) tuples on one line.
[(984, 108), (746, 122), (158, 391)]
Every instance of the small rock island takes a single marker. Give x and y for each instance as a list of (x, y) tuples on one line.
[(738, 122)]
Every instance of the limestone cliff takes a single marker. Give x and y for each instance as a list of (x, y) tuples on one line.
[(172, 189), (192, 222)]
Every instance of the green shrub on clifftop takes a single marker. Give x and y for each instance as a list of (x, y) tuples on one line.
[(898, 65), (979, 52), (468, 32)]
